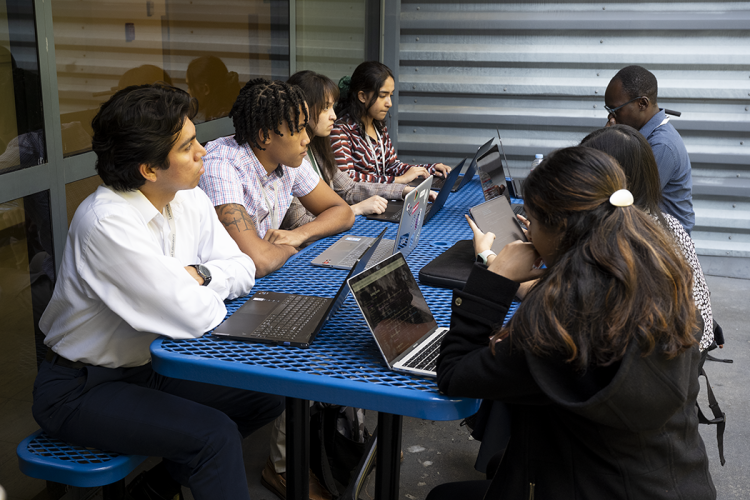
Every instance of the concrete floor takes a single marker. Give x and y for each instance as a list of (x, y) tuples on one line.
[(730, 300)]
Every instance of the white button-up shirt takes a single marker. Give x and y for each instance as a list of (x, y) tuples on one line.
[(119, 287)]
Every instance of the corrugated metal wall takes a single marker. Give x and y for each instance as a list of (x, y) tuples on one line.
[(538, 72)]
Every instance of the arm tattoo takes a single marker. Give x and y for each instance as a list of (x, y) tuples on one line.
[(235, 215)]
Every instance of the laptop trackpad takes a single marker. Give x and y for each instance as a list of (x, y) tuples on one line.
[(247, 318)]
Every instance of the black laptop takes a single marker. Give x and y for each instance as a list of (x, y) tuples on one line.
[(395, 207), (438, 182), (285, 318), (494, 176)]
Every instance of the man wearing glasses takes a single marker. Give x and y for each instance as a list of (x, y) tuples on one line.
[(630, 99)]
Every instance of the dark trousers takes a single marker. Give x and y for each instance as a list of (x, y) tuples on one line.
[(197, 428)]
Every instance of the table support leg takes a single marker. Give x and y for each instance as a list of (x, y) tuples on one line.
[(297, 449), (388, 472)]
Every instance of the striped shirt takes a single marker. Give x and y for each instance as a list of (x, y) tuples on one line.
[(363, 161), (233, 174)]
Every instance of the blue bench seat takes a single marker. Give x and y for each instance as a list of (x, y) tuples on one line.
[(43, 457)]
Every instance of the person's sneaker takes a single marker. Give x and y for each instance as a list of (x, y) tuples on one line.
[(276, 483), (154, 484)]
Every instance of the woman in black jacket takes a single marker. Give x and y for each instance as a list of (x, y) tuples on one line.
[(599, 364)]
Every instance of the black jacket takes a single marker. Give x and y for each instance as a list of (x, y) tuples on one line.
[(628, 431)]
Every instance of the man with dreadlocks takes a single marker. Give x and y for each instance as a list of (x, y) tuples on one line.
[(630, 99), (251, 177)]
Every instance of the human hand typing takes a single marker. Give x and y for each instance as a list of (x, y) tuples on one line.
[(372, 205), (412, 174), (442, 170)]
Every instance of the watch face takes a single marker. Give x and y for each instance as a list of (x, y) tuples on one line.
[(204, 273)]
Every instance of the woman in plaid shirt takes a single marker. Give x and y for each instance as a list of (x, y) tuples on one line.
[(360, 140), (321, 93)]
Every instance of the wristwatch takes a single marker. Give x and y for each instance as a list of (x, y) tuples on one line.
[(203, 272), (483, 256)]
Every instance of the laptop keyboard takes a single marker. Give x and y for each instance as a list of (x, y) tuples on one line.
[(518, 210), (427, 358), (297, 312), (384, 249), (351, 257)]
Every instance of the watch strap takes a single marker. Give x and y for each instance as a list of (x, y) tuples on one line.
[(483, 256), (203, 272)]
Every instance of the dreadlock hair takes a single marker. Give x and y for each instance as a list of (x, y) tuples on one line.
[(633, 152), (262, 106), (637, 81), (318, 90), (138, 125), (617, 278), (369, 77)]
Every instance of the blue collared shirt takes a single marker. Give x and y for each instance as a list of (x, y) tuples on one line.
[(675, 171)]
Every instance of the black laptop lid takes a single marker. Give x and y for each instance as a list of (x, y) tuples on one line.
[(492, 175), (393, 306), (358, 267), (444, 192), (473, 166)]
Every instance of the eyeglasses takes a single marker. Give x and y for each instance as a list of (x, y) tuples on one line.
[(613, 111)]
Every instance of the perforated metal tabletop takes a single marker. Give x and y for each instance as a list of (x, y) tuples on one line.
[(343, 365)]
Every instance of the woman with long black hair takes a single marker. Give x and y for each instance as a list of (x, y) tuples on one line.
[(360, 140), (633, 152), (321, 94), (599, 365)]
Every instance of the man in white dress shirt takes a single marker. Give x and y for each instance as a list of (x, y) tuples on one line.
[(147, 256)]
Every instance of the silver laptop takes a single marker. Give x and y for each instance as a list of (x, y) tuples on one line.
[(289, 319), (398, 316), (496, 216), (343, 253)]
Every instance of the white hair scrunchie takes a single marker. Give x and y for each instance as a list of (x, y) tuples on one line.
[(621, 198)]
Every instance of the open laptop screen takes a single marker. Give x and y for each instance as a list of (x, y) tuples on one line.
[(393, 306), (492, 175)]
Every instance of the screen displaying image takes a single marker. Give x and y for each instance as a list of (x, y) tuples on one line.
[(393, 306)]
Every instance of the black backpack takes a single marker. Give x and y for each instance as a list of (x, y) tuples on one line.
[(339, 447)]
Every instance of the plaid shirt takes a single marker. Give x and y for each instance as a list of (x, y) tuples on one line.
[(234, 175), (355, 157), (352, 192)]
